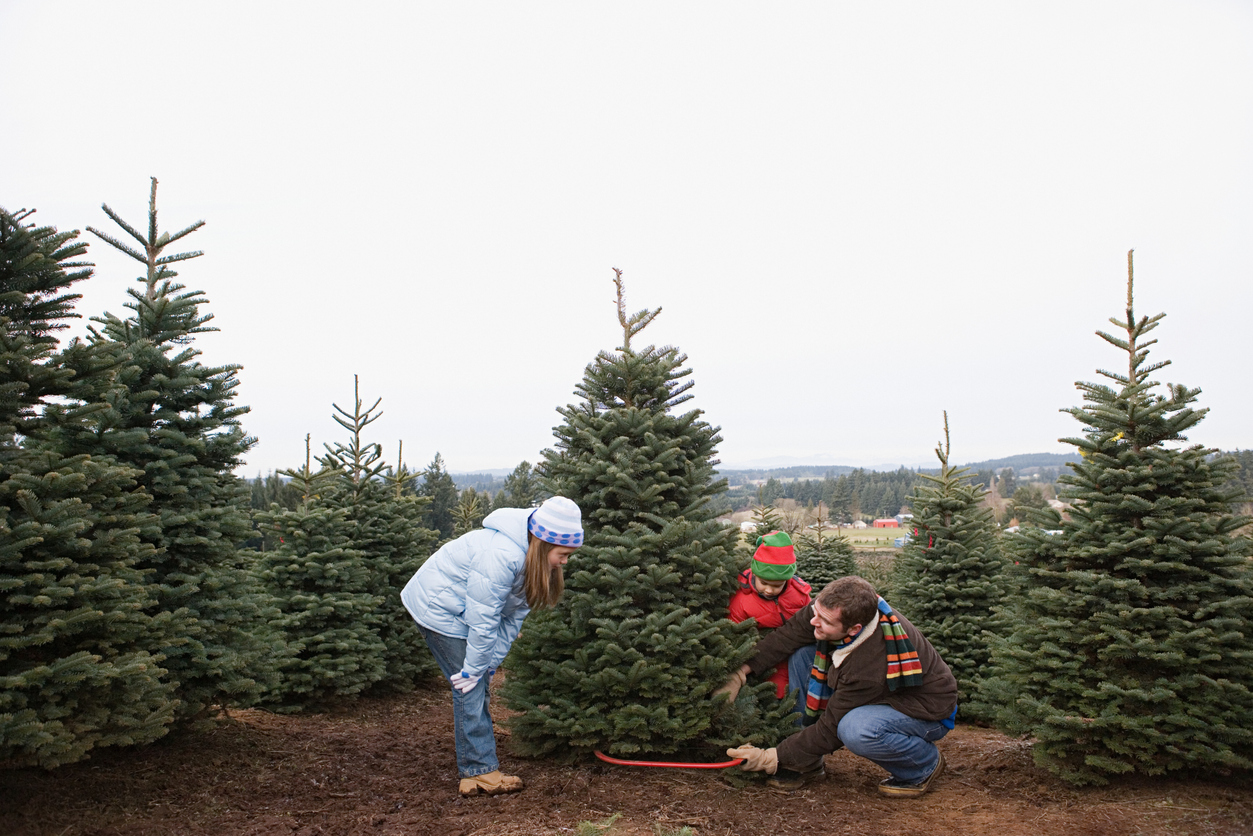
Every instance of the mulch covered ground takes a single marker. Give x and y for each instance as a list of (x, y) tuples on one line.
[(385, 766)]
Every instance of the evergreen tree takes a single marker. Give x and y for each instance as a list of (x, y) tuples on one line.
[(521, 490), (174, 420), (441, 492), (765, 520), (1007, 485), (1134, 647), (627, 661), (950, 578), (387, 529), (839, 500), (76, 621), (354, 542), (822, 558), (1027, 498), (468, 513), (329, 616), (273, 488)]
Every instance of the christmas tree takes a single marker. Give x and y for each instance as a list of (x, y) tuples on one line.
[(1133, 650), (521, 489), (355, 540), (174, 420), (950, 578), (822, 558), (321, 583), (76, 620), (627, 662), (386, 524), (441, 494), (468, 513), (765, 519)]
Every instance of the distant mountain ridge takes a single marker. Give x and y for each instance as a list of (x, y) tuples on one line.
[(821, 471), (1026, 460)]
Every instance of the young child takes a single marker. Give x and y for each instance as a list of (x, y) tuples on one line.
[(771, 593)]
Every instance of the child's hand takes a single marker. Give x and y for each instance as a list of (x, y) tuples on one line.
[(756, 760)]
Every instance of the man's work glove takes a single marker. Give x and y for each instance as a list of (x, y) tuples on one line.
[(733, 685), (756, 760), (463, 682)]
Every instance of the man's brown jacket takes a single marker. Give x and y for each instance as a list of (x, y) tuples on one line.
[(860, 680)]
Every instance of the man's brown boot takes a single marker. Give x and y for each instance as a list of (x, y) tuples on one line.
[(492, 783)]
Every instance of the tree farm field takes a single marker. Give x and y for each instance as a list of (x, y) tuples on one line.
[(384, 766)]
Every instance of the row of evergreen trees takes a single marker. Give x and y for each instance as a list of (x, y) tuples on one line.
[(129, 607), (1119, 638), (448, 511), (1121, 641), (848, 496)]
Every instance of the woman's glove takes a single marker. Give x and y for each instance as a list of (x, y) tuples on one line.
[(732, 686), (463, 682), (756, 760)]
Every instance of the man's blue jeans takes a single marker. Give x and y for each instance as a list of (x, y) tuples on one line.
[(900, 744), (472, 724), (799, 665)]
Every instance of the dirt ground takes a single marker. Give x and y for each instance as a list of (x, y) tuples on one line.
[(385, 767)]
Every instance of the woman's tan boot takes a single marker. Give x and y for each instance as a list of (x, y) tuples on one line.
[(492, 783)]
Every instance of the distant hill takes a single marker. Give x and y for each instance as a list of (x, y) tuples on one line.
[(822, 471), (1026, 460), (815, 471)]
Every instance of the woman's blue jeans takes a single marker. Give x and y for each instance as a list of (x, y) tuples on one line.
[(900, 744), (472, 724)]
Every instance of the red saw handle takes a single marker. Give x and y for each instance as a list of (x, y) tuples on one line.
[(620, 762)]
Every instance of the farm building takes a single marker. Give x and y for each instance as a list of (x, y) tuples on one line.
[(887, 523)]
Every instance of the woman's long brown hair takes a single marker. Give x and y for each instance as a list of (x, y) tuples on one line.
[(543, 583)]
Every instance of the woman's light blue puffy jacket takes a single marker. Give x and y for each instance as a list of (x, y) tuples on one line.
[(471, 589)]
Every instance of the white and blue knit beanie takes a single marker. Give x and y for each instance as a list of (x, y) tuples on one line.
[(557, 521)]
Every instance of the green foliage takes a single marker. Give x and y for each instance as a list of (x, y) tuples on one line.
[(469, 512), (849, 496), (822, 557), (878, 568), (1028, 499), (355, 540), (441, 494), (950, 579), (174, 421), (1006, 484), (77, 671), (587, 828), (626, 663), (1133, 650), (521, 489), (273, 489), (1241, 481), (765, 520)]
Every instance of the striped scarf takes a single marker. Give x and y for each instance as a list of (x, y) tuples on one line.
[(904, 669)]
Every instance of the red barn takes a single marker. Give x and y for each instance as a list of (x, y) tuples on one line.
[(887, 523)]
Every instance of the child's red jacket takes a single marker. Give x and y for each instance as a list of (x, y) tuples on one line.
[(746, 603)]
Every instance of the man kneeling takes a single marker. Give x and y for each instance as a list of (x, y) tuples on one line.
[(877, 687)]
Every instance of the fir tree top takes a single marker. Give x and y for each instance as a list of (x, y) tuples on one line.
[(651, 465), (1133, 417), (632, 378)]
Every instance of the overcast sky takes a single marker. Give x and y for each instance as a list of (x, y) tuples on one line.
[(853, 215)]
